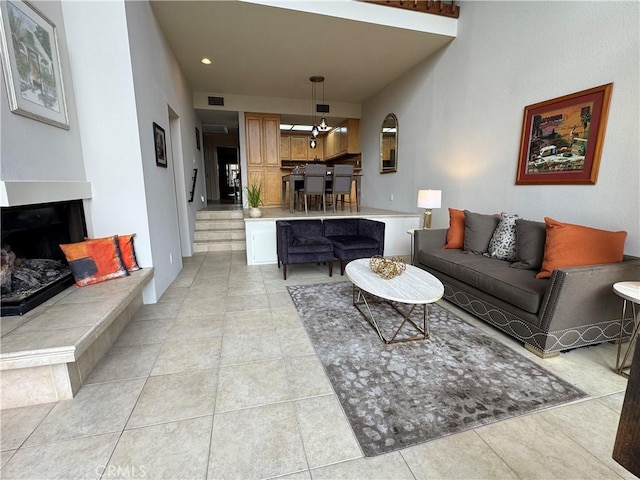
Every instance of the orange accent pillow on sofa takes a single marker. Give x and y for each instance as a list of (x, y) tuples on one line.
[(94, 261), (569, 245), (455, 234)]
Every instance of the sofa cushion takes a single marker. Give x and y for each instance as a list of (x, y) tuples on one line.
[(309, 241), (353, 242), (341, 226), (571, 245), (530, 239), (478, 230), (306, 228), (455, 234), (517, 287), (503, 241)]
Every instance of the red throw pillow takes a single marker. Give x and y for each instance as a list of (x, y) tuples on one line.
[(94, 261), (455, 234), (569, 245)]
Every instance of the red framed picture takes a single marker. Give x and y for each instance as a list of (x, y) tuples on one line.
[(562, 138)]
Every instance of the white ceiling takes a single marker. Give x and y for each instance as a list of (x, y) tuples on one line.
[(270, 51)]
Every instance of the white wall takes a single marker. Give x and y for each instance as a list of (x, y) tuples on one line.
[(126, 78), (35, 151), (460, 113), (160, 88), (101, 68)]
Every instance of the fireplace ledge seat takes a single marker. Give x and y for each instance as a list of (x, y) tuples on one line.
[(48, 353)]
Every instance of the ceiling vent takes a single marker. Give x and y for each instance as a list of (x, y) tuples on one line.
[(322, 108), (218, 101), (215, 128)]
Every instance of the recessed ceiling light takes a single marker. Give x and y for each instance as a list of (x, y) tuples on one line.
[(205, 61)]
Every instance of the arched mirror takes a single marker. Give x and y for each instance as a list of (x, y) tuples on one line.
[(389, 144)]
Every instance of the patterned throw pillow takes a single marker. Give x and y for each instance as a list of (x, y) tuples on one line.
[(503, 242), (94, 261), (127, 251)]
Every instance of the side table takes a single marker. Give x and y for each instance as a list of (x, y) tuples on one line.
[(630, 292)]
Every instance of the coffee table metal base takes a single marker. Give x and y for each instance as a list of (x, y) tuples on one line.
[(360, 300)]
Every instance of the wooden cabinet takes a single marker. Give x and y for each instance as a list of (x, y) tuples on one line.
[(343, 139), (263, 154), (299, 148), (296, 147), (285, 147)]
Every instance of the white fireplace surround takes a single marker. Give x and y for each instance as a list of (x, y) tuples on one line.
[(16, 193)]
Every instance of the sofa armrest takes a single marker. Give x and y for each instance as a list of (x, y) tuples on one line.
[(428, 239), (584, 295), (372, 229), (284, 235)]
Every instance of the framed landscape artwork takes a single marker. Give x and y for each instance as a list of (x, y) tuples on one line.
[(160, 145), (562, 138), (31, 64)]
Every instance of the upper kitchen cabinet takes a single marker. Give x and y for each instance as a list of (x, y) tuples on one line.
[(295, 148), (343, 140), (263, 139)]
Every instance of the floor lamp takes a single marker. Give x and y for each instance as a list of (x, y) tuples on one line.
[(429, 199)]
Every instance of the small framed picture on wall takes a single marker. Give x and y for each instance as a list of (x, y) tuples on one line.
[(160, 145)]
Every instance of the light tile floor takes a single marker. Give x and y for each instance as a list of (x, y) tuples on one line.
[(219, 380)]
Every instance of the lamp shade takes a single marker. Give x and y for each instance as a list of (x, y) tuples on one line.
[(429, 198)]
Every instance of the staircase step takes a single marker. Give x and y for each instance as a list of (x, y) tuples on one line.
[(219, 231), (219, 215), (219, 246), (224, 224), (217, 235)]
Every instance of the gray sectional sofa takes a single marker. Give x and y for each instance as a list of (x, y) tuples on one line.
[(573, 308)]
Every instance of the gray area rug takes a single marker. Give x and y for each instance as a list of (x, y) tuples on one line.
[(399, 395)]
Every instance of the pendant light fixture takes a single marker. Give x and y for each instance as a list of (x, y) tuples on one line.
[(323, 121), (315, 130)]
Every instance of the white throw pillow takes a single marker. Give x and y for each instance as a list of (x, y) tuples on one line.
[(503, 242)]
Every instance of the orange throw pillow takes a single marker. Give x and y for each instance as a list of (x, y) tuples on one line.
[(127, 251), (455, 234), (94, 261), (569, 245)]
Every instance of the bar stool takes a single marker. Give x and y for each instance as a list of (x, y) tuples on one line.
[(630, 292)]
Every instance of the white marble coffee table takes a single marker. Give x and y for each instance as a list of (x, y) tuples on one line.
[(414, 287)]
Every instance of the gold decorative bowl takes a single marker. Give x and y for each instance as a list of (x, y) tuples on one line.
[(387, 268)]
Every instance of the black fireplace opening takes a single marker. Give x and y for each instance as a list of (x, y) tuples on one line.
[(34, 268)]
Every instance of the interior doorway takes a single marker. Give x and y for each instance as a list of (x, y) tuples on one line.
[(229, 180)]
